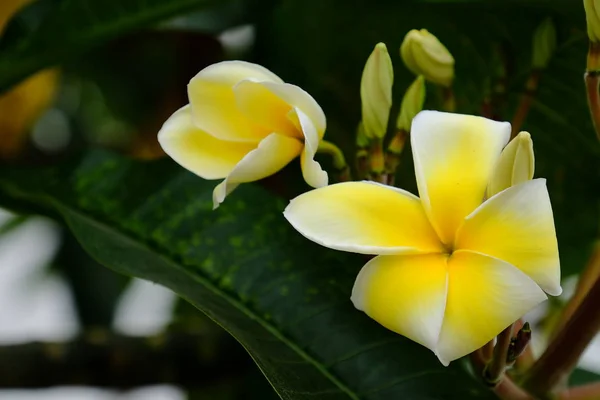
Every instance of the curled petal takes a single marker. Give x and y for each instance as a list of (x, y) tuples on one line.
[(272, 154), (312, 172), (406, 294), (365, 218), (260, 105), (196, 150), (485, 295), (299, 99), (454, 156), (213, 102), (517, 226)]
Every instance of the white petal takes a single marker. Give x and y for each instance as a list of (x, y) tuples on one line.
[(272, 154), (485, 295), (363, 218), (517, 226), (213, 103), (454, 156), (406, 294), (312, 172), (196, 150)]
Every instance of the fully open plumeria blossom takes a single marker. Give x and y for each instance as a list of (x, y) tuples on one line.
[(243, 124), (452, 270)]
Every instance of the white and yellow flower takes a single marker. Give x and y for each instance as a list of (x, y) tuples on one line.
[(451, 271), (243, 124)]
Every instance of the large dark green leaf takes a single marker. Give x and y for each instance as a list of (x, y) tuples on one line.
[(70, 27), (285, 299)]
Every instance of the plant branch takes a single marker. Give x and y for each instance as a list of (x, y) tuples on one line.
[(525, 103), (564, 350), (494, 370), (585, 392), (587, 278), (104, 359)]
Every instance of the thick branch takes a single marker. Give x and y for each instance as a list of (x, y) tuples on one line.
[(564, 351), (109, 360)]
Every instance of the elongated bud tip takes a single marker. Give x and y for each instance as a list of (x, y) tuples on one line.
[(544, 43), (592, 16), (424, 54), (516, 164), (376, 92), (412, 104)]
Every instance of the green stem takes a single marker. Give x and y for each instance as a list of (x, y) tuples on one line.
[(377, 161), (339, 162), (494, 370)]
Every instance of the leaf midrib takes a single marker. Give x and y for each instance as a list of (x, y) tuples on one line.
[(46, 201)]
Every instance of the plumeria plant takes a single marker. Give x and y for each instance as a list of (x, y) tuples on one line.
[(377, 200), (456, 268)]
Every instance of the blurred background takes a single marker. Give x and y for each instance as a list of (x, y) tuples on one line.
[(73, 329)]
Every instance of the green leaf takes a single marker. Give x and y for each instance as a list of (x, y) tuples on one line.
[(285, 299), (71, 27)]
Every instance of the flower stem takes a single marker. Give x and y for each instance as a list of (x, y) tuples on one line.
[(448, 99), (339, 162), (525, 103), (494, 370), (585, 392), (377, 161), (393, 154), (563, 352), (587, 278), (505, 389)]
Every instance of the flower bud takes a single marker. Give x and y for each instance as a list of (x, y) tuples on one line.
[(376, 92), (592, 15), (412, 104), (544, 43), (516, 164), (425, 55)]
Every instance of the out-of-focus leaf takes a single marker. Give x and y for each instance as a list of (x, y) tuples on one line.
[(71, 27), (285, 299), (95, 290)]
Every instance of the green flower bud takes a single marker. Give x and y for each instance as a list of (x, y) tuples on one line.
[(425, 55), (376, 92), (592, 15), (516, 164), (544, 43), (412, 104)]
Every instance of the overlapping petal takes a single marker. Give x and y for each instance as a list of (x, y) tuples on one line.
[(297, 98), (366, 218), (406, 294), (196, 150), (312, 172), (213, 102), (272, 154), (266, 109), (517, 226), (485, 295), (454, 156)]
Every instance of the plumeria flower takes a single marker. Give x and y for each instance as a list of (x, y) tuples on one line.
[(452, 270), (243, 124)]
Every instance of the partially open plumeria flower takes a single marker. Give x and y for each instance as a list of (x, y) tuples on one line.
[(243, 124), (452, 270)]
